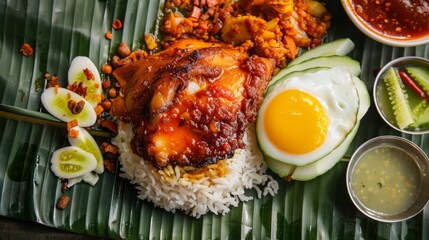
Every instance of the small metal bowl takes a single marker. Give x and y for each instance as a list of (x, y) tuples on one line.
[(368, 30), (380, 95), (417, 156)]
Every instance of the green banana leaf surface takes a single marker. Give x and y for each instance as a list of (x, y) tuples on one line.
[(59, 30)]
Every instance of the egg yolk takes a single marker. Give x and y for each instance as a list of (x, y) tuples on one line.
[(296, 122)]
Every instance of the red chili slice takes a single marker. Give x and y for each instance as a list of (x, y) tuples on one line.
[(411, 84)]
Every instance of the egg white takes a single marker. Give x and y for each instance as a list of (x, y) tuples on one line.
[(334, 89)]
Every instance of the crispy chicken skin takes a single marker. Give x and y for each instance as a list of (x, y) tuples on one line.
[(191, 103)]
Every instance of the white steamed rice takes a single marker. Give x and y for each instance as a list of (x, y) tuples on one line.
[(246, 171)]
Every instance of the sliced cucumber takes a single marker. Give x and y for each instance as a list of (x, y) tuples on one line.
[(420, 75), (364, 98), (280, 168), (56, 102), (398, 98), (421, 114), (294, 74), (328, 61), (77, 75), (86, 142), (422, 119), (72, 162), (340, 47), (312, 170)]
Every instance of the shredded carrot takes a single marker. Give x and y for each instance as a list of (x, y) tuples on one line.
[(98, 109), (73, 133), (292, 46), (108, 148), (71, 124), (96, 85)]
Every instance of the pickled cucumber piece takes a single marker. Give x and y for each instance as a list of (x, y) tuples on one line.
[(419, 108), (82, 70), (72, 162), (86, 142), (67, 105), (420, 75), (421, 114), (398, 98)]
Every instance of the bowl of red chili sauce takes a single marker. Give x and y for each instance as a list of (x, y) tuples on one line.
[(400, 23)]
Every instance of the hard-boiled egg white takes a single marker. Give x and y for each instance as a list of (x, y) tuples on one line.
[(306, 117)]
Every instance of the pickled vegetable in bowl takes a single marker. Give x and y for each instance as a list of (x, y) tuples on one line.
[(401, 93)]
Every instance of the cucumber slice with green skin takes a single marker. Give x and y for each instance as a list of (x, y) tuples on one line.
[(364, 98), (340, 47), (398, 98), (280, 168), (315, 169), (312, 170), (348, 63), (420, 75), (56, 102), (422, 119), (421, 114), (86, 142), (76, 75), (72, 162), (294, 74)]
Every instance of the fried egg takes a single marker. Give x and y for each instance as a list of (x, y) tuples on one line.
[(306, 117)]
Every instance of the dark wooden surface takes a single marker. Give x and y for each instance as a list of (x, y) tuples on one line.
[(12, 229)]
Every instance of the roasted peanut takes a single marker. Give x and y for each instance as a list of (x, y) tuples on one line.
[(106, 69), (114, 61), (63, 201), (75, 107), (123, 49), (108, 35)]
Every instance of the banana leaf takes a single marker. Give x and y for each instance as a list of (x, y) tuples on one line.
[(59, 30)]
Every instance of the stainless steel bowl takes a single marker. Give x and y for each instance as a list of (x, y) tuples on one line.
[(419, 158), (380, 98)]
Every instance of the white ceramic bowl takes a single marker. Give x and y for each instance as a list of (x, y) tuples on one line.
[(370, 32)]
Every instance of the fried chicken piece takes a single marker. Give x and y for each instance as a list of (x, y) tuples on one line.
[(191, 103)]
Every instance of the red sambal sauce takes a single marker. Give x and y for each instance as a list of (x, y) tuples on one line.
[(402, 19)]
